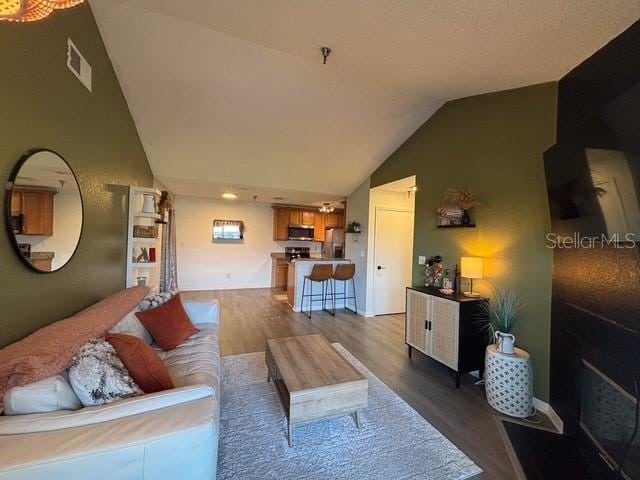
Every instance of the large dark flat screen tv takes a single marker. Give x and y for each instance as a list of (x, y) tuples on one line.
[(593, 176)]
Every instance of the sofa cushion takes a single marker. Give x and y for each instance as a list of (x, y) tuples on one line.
[(131, 325), (46, 395), (63, 419), (168, 324), (196, 361), (49, 350), (153, 301), (98, 376), (144, 365)]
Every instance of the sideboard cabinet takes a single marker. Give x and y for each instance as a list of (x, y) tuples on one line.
[(446, 328)]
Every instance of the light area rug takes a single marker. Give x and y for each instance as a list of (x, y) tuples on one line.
[(394, 443)]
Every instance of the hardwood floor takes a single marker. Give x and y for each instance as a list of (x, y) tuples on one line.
[(249, 317)]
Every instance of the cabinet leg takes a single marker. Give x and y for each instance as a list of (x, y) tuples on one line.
[(409, 350), (290, 433), (356, 417), (457, 380)]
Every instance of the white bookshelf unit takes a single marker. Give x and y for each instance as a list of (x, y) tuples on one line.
[(150, 271)]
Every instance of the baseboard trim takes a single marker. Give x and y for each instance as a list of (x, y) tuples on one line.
[(548, 410), (360, 312)]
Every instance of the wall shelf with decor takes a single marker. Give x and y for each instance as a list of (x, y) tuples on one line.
[(144, 239)]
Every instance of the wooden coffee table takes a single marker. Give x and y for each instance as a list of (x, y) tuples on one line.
[(313, 380)]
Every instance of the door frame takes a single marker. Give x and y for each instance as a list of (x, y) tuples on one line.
[(375, 250)]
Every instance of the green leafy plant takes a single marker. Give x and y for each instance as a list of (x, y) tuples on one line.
[(501, 313)]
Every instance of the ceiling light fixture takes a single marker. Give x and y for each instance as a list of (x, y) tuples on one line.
[(326, 208), (230, 195), (325, 54), (32, 10)]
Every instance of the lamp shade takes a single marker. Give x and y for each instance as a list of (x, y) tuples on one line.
[(471, 267)]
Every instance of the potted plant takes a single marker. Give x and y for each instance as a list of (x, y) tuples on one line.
[(508, 374), (501, 315)]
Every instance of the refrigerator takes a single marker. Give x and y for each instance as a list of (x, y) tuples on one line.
[(333, 246)]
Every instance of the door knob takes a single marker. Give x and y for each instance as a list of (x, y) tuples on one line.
[(381, 267)]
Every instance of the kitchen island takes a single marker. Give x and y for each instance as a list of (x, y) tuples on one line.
[(298, 268)]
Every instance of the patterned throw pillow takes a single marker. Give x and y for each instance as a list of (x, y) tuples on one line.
[(153, 301), (98, 376)]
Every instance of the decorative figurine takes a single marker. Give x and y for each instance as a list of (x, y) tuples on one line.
[(433, 271)]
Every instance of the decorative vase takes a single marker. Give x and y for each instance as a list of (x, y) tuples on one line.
[(505, 342), (466, 219), (149, 203)]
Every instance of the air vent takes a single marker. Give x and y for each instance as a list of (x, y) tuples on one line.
[(78, 65)]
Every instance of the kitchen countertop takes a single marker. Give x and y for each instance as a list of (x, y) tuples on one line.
[(42, 255)]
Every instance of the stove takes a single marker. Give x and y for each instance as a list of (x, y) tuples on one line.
[(296, 252)]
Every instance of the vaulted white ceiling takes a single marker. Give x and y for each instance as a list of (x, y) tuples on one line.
[(234, 92)]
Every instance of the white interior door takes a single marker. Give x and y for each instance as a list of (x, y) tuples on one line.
[(393, 249)]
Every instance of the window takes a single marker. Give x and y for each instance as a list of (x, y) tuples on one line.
[(228, 230)]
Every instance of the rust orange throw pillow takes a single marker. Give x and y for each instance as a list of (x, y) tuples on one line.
[(144, 365), (168, 324)]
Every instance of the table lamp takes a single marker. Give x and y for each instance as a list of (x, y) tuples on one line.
[(471, 267)]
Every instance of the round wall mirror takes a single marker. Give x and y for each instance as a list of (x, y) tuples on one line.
[(44, 210)]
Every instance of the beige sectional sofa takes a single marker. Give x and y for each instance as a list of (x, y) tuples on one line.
[(165, 435)]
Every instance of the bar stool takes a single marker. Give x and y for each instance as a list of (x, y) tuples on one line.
[(343, 273), (322, 273)]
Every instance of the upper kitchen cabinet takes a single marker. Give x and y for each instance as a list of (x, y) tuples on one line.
[(16, 203), (36, 207), (308, 218), (284, 217), (280, 224), (318, 227), (334, 219), (295, 216)]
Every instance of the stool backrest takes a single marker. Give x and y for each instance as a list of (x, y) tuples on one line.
[(321, 272), (344, 271)]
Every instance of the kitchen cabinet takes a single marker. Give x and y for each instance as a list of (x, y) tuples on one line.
[(42, 264), (295, 216), (291, 284), (446, 328), (308, 218), (334, 219), (318, 227), (16, 202), (36, 207), (285, 216), (280, 224), (279, 273)]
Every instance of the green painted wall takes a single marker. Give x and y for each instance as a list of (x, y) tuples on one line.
[(492, 144), (42, 104)]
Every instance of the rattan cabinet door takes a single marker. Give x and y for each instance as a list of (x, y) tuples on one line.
[(416, 317), (445, 316)]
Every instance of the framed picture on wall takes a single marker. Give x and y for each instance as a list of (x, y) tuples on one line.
[(228, 231)]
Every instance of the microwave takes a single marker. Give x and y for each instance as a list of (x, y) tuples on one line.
[(17, 223), (301, 232)]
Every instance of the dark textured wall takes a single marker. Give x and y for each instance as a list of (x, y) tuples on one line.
[(596, 291), (492, 144), (42, 104)]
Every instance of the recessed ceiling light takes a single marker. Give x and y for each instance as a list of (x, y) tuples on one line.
[(230, 195)]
